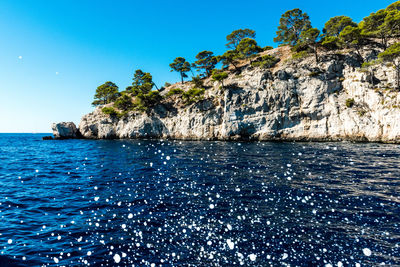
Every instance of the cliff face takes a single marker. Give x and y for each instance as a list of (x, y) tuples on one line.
[(297, 100)]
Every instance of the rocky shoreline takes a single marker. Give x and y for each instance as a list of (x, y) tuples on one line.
[(298, 100)]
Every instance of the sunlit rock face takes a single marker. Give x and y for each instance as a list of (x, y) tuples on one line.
[(65, 130), (297, 100)]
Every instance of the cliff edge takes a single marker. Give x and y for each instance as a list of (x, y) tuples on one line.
[(334, 99)]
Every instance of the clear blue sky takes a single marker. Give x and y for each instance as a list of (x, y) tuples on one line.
[(53, 54)]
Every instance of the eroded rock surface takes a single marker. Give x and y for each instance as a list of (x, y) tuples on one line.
[(65, 130), (298, 100)]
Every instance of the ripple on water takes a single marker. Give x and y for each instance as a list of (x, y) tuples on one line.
[(77, 202)]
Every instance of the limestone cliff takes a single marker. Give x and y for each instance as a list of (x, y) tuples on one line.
[(334, 99)]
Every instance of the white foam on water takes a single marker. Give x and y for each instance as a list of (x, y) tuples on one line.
[(253, 257), (367, 252), (117, 258)]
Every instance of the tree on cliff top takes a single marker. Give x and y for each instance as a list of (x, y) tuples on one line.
[(206, 61), (392, 54), (334, 26), (142, 83), (180, 65), (124, 102), (352, 38), (248, 48), (383, 24), (146, 101), (392, 23), (310, 38), (394, 6), (291, 25), (106, 93), (228, 58), (373, 26), (236, 36)]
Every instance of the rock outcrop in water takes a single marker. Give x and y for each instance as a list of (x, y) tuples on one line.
[(332, 100), (65, 130)]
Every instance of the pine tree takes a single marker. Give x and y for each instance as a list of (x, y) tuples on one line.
[(205, 61), (291, 25), (351, 37), (142, 83), (392, 54), (180, 65), (230, 57), (310, 38), (248, 48), (105, 93), (335, 25), (236, 36)]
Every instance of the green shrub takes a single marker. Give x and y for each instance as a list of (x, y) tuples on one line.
[(193, 95), (266, 48), (266, 62), (167, 84), (300, 55), (331, 43), (300, 47), (197, 82), (370, 63), (122, 114), (124, 102), (219, 76), (110, 111), (349, 102), (174, 91), (145, 101)]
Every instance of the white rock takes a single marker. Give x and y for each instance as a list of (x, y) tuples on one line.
[(65, 130), (260, 105)]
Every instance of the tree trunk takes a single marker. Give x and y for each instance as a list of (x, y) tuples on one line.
[(181, 77), (384, 42), (316, 54), (236, 68), (359, 54), (397, 66)]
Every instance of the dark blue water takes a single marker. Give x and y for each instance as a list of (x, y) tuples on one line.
[(171, 203)]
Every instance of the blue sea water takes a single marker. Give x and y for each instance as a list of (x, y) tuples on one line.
[(176, 203)]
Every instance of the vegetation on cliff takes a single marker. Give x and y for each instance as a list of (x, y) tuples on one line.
[(340, 34), (105, 93)]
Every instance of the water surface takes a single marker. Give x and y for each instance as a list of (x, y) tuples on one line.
[(172, 203)]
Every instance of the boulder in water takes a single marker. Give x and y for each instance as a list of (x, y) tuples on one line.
[(65, 130)]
